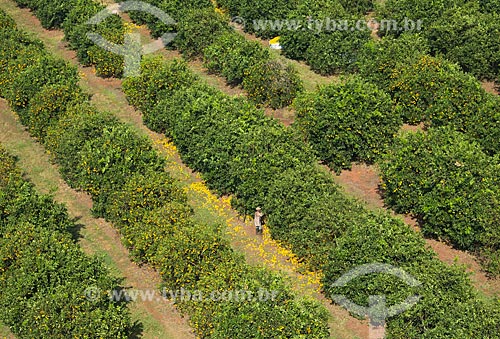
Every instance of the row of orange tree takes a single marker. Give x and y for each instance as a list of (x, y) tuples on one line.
[(130, 187), (73, 17), (205, 33), (357, 119), (447, 178), (317, 32), (43, 272), (351, 122), (463, 31), (241, 151), (328, 36), (267, 80), (454, 202), (324, 35)]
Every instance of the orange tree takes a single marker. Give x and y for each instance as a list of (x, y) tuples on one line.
[(483, 126), (198, 29), (49, 104), (44, 273), (377, 59), (112, 29), (272, 83), (120, 153), (435, 91), (449, 183), (324, 36), (16, 53), (468, 37), (7, 22), (231, 55), (72, 16), (46, 71), (353, 121), (206, 33)]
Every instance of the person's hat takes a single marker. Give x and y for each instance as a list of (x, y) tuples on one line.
[(257, 209)]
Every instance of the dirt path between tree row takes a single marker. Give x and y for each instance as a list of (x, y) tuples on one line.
[(5, 332), (107, 95)]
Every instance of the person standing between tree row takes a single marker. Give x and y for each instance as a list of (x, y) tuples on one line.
[(258, 220)]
